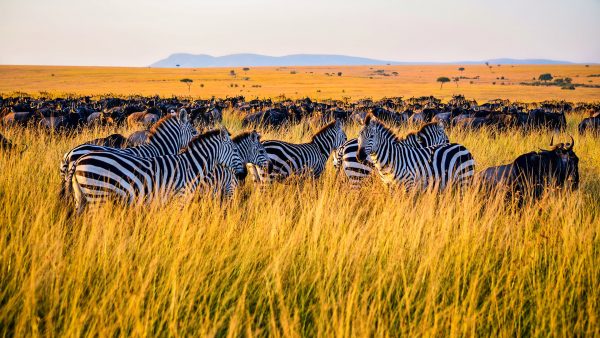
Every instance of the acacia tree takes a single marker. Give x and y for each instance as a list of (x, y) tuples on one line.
[(188, 82), (545, 77), (442, 80)]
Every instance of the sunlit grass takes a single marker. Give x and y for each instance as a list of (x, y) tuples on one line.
[(303, 258)]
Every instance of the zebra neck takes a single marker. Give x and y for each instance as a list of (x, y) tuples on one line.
[(162, 144), (324, 145), (196, 163), (243, 150)]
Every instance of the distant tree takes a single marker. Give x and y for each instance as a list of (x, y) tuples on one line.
[(232, 72), (487, 63), (442, 80), (245, 69), (545, 77), (177, 65), (188, 82), (461, 69), (456, 79), (339, 73)]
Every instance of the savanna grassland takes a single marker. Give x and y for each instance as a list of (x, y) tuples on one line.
[(478, 82), (302, 258)]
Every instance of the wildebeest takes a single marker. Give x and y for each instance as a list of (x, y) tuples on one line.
[(533, 172), (590, 125), (113, 141), (138, 138)]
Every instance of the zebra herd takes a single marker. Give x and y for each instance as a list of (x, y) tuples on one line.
[(177, 161)]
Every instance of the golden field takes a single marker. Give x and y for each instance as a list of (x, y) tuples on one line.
[(314, 82), (305, 258)]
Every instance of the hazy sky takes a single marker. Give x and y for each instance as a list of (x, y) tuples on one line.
[(140, 32)]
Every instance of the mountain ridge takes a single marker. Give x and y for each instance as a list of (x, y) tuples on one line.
[(186, 60)]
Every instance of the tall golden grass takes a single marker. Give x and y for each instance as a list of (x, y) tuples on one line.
[(304, 258)]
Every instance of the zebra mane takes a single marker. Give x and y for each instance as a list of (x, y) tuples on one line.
[(372, 119), (324, 130), (240, 137), (202, 137), (423, 129), (158, 125)]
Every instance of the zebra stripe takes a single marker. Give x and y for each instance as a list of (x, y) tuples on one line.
[(429, 135), (100, 176), (251, 149), (426, 167), (306, 158), (167, 137)]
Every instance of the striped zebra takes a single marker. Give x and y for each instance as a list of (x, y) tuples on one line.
[(431, 167), (301, 159), (222, 181), (100, 176), (251, 150), (431, 134), (167, 137)]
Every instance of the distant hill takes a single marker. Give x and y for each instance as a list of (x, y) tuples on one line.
[(254, 60)]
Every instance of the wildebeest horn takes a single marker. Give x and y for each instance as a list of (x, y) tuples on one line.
[(572, 143)]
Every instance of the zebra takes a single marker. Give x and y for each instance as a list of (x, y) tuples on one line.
[(430, 167), (100, 176), (222, 181), (251, 150), (431, 134), (167, 137), (305, 158)]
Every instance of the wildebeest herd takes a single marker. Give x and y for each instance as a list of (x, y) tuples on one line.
[(168, 158)]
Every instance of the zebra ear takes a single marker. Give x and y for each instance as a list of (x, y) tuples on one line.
[(368, 119), (224, 133)]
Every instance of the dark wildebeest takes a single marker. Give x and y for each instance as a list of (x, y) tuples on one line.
[(113, 141), (138, 138), (590, 125), (17, 119), (533, 172)]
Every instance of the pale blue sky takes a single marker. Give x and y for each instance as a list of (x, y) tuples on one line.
[(137, 33)]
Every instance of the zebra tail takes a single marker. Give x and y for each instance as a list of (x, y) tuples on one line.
[(66, 189), (77, 193)]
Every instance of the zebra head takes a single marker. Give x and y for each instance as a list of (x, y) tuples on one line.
[(213, 148), (252, 150), (368, 138), (172, 132), (330, 137), (186, 129), (228, 154)]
